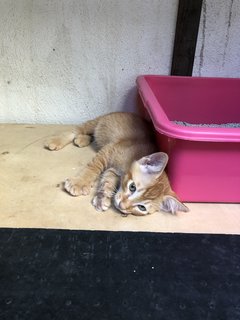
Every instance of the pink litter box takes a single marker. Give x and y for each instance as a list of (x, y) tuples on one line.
[(197, 123)]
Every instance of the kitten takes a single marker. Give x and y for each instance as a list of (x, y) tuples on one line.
[(129, 168)]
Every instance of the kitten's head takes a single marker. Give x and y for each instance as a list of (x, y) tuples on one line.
[(145, 188)]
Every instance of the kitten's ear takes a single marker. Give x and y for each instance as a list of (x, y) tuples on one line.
[(172, 205), (154, 163)]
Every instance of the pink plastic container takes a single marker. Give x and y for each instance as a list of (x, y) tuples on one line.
[(204, 162)]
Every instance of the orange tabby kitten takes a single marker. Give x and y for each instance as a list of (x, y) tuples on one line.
[(131, 171)]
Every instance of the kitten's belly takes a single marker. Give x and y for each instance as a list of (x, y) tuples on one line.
[(119, 126)]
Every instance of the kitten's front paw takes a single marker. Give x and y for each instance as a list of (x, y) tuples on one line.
[(77, 187), (101, 202)]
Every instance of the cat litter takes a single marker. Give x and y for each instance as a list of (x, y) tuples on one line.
[(203, 145), (213, 125)]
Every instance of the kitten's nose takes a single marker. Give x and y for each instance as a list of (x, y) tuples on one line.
[(122, 206)]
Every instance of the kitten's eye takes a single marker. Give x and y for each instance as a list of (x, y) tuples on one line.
[(141, 207), (132, 187)]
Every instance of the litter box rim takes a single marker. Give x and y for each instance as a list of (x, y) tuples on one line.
[(163, 125)]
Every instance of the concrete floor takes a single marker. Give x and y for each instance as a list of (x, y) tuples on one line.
[(31, 194)]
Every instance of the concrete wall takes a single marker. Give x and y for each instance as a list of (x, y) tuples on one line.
[(218, 47), (66, 61)]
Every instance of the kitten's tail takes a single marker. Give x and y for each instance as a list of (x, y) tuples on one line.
[(80, 136)]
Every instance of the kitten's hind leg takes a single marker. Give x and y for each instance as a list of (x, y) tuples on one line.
[(85, 132), (106, 190), (81, 136), (56, 143), (82, 140)]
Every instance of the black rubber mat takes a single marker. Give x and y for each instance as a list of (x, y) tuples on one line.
[(57, 274)]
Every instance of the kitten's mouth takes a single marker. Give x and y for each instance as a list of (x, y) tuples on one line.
[(123, 212), (117, 202)]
